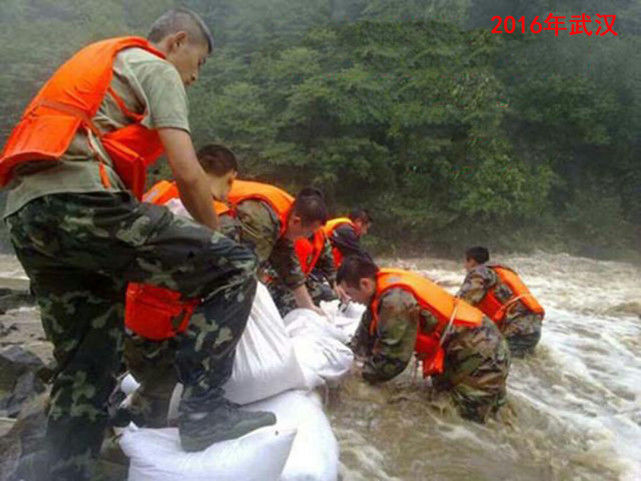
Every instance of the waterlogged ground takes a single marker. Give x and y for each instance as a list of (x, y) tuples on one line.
[(574, 409)]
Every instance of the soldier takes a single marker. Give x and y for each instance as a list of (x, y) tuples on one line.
[(459, 347), (317, 263), (270, 221), (345, 233), (502, 296), (73, 168)]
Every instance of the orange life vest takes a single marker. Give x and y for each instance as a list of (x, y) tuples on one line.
[(164, 191), (68, 102), (309, 251), (446, 308), (329, 228), (158, 313), (279, 200), (497, 310)]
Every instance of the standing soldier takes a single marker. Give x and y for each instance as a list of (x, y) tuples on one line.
[(73, 168), (502, 296), (459, 347)]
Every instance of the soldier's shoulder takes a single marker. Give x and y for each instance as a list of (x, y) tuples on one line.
[(485, 271), (257, 210), (398, 299)]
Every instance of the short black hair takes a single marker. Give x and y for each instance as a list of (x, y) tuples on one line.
[(361, 214), (478, 253), (181, 20), (310, 206), (217, 159), (354, 268)]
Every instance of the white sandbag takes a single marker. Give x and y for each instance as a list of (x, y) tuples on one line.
[(265, 362), (156, 455), (314, 454), (305, 322), (346, 320), (323, 359), (353, 310)]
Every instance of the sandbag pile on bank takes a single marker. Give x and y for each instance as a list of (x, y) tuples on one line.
[(275, 369)]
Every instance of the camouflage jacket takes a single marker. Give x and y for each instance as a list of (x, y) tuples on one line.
[(479, 281), (391, 347), (257, 226)]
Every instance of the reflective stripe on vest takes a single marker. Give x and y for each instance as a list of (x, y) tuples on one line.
[(497, 310), (309, 251), (69, 101), (447, 309)]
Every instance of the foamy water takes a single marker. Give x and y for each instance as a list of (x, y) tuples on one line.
[(574, 409)]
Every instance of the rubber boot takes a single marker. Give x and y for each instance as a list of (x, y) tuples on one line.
[(223, 421)]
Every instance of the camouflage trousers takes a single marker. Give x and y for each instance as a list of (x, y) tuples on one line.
[(522, 333), (80, 251), (284, 298), (477, 363)]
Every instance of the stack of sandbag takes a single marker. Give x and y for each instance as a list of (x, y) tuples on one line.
[(273, 371)]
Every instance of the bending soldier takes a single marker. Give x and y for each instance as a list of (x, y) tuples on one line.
[(460, 348), (500, 293)]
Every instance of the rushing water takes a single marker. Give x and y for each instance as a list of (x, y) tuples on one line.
[(574, 410)]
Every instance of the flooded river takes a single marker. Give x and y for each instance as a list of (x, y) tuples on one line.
[(574, 410)]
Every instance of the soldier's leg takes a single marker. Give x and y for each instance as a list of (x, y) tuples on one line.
[(152, 363), (199, 263), (82, 314), (522, 333), (477, 365)]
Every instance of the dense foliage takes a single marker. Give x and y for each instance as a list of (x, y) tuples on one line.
[(451, 135)]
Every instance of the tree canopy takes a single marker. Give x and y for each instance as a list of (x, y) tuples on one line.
[(450, 135)]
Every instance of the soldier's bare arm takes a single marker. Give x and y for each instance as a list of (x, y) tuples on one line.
[(190, 176)]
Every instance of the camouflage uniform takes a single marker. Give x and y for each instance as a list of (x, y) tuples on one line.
[(521, 327), (80, 251), (477, 360), (319, 283)]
